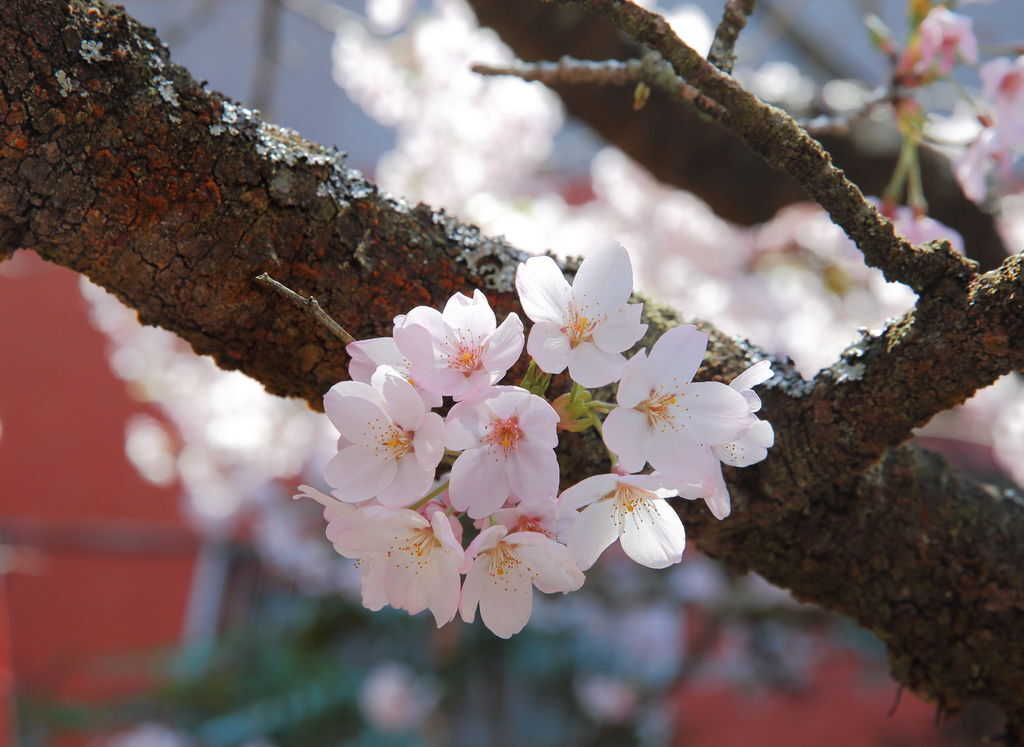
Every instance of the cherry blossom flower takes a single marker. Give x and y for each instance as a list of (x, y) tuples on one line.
[(628, 508), (666, 419), (944, 36), (507, 438), (458, 351), (503, 567), (405, 560), (586, 326), (393, 442), (704, 471), (367, 355)]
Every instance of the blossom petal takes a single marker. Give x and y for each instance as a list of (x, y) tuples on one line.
[(506, 602), (677, 456), (479, 483), (750, 449), (653, 535), (592, 532), (591, 367), (604, 280), (585, 492), (355, 409), (621, 330), (636, 381), (411, 482), (465, 425), (366, 355), (549, 346), (627, 434), (756, 374), (358, 473), (428, 441), (552, 567), (401, 401), (473, 589), (505, 346), (676, 356), (533, 473), (539, 420), (470, 315), (543, 290), (711, 412)]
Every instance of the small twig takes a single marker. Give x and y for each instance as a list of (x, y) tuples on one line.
[(723, 48), (651, 69), (309, 305)]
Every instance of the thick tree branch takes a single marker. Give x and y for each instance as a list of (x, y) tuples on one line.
[(784, 144), (708, 160), (114, 162)]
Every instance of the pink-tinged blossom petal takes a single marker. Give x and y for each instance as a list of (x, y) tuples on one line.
[(544, 517), (535, 477), (944, 35), (505, 346), (472, 314), (631, 508), (543, 290), (359, 473), (712, 489), (537, 418), (465, 423), (367, 355), (756, 374), (621, 329), (678, 456), (503, 567), (428, 441), (637, 381), (549, 346), (592, 532), (750, 449), (592, 367), (652, 534), (550, 563), (605, 279), (628, 435), (709, 412), (410, 480), (400, 400), (677, 355), (479, 483), (381, 424)]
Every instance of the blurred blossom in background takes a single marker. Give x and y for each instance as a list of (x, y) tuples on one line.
[(275, 648)]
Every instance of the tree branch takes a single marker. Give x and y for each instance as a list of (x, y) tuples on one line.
[(723, 48), (709, 161), (115, 163)]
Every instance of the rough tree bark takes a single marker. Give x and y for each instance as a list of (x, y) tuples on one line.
[(116, 163)]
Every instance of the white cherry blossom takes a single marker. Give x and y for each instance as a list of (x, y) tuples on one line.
[(666, 419), (502, 569), (461, 350), (405, 560), (507, 438), (704, 477), (586, 326), (390, 444), (628, 508)]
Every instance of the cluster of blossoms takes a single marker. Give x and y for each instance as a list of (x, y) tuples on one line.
[(407, 533)]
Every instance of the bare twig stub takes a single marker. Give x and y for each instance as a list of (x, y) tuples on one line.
[(723, 48), (310, 305)]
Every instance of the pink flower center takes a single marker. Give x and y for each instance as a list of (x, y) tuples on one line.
[(503, 562), (415, 550), (659, 409), (396, 441), (504, 434), (465, 357)]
